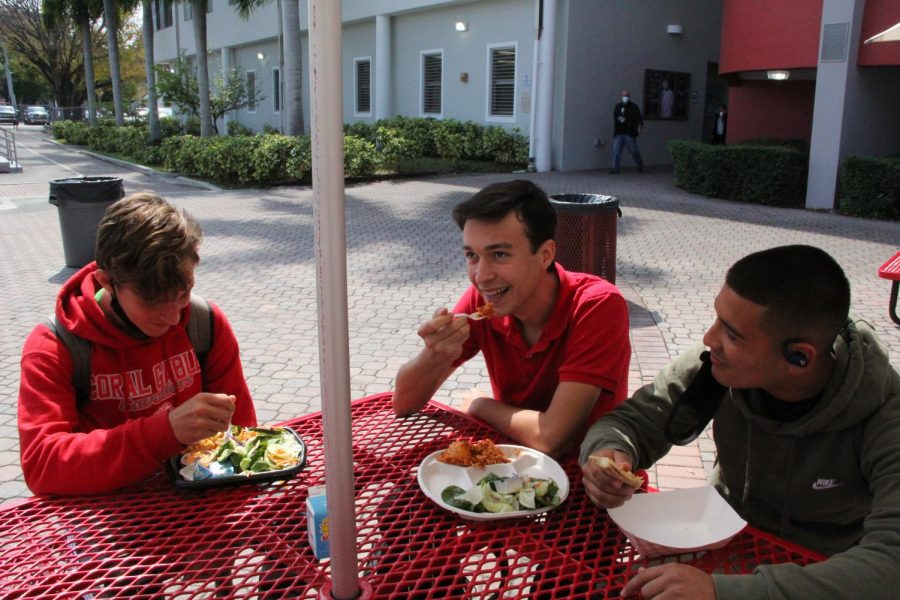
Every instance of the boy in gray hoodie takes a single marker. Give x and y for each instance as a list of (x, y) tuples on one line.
[(805, 407)]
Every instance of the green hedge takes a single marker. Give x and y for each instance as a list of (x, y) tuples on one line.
[(870, 187), (760, 173), (271, 158)]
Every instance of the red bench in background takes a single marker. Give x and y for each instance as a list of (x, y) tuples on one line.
[(891, 270)]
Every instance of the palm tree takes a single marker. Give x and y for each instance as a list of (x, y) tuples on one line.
[(293, 58), (198, 7), (293, 66), (147, 33), (111, 19), (84, 13)]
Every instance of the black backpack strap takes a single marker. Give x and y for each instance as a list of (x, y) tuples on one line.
[(200, 327), (80, 351)]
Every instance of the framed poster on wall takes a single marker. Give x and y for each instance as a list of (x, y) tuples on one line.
[(667, 94)]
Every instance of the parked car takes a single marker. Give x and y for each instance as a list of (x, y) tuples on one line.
[(8, 115), (36, 115)]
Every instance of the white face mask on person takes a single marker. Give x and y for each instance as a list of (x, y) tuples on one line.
[(625, 99)]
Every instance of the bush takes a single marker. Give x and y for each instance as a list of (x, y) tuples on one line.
[(799, 145), (360, 157), (269, 158), (73, 132), (361, 129), (394, 146), (281, 159), (236, 128), (870, 187), (758, 173), (509, 147)]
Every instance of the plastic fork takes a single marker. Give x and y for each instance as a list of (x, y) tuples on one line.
[(227, 436), (473, 316)]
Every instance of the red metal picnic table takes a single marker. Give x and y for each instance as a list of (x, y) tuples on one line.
[(250, 541), (891, 270)]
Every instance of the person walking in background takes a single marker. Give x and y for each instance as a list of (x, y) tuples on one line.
[(721, 126), (627, 124)]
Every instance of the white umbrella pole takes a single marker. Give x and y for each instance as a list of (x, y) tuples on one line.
[(331, 281)]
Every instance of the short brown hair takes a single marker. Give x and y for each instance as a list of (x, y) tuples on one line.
[(143, 241)]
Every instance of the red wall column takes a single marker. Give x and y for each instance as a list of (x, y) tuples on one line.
[(776, 109)]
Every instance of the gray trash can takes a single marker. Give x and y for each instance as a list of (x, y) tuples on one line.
[(81, 202), (586, 233)]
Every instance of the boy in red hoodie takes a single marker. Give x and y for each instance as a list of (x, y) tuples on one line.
[(149, 394)]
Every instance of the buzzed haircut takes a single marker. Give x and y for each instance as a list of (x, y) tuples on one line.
[(145, 242), (527, 200), (803, 289)]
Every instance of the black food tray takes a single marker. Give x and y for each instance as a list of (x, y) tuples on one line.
[(174, 465)]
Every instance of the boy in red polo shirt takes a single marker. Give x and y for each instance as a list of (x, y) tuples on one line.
[(556, 348)]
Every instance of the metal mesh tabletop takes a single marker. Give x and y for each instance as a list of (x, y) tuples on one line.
[(250, 541)]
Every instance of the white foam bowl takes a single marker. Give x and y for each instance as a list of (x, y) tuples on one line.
[(676, 522)]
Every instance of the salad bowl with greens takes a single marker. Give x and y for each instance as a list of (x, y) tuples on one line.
[(531, 483), (248, 454)]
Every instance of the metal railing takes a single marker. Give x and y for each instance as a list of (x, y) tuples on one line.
[(8, 147)]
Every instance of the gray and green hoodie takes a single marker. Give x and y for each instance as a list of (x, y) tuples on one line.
[(829, 481)]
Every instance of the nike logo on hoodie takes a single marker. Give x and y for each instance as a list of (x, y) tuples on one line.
[(825, 484)]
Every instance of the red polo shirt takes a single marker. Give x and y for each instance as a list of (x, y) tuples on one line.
[(585, 340)]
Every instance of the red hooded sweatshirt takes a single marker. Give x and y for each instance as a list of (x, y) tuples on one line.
[(122, 435)]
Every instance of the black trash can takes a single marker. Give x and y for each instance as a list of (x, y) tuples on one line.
[(81, 202), (586, 233)]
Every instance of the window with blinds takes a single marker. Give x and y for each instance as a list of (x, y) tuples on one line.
[(251, 91), (432, 78), (276, 89), (502, 102), (363, 86), (163, 10)]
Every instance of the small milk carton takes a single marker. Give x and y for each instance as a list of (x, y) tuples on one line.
[(317, 522)]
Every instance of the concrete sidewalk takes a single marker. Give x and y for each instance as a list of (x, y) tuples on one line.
[(404, 260)]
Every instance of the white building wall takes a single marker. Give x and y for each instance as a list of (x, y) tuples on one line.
[(246, 58), (358, 41), (224, 27), (601, 47), (464, 55)]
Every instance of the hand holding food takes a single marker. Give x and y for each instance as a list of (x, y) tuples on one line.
[(444, 335), (605, 485), (613, 469), (202, 416)]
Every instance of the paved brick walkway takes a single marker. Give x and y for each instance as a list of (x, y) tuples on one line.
[(403, 261)]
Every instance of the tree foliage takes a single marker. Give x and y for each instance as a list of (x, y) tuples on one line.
[(179, 87), (53, 51)]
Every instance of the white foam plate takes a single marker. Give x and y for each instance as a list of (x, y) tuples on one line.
[(434, 476), (678, 521)]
